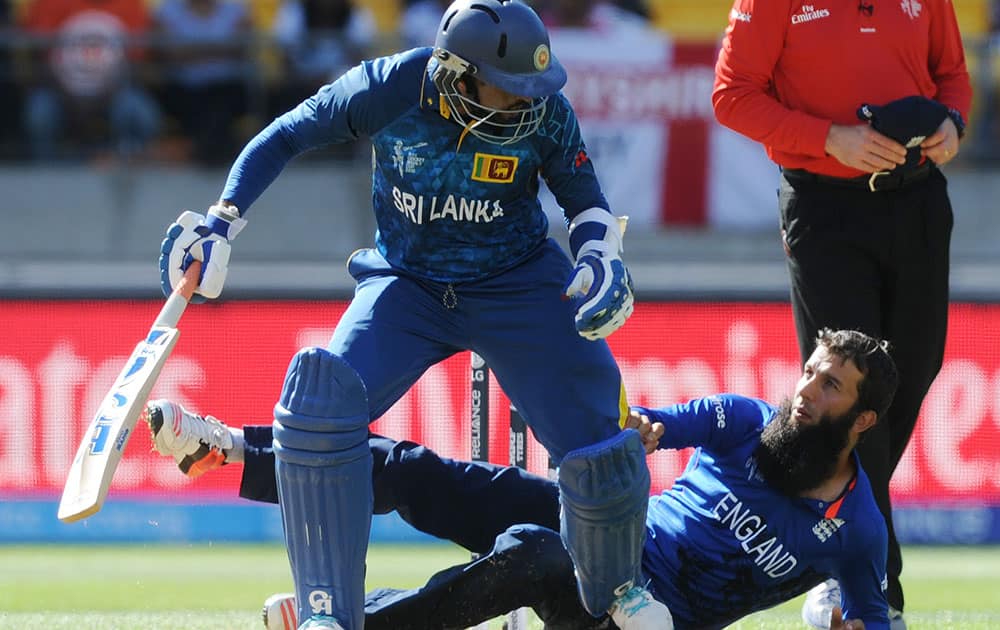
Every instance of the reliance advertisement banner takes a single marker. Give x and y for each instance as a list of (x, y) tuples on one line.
[(59, 358)]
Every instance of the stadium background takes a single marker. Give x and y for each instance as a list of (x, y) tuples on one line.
[(78, 286)]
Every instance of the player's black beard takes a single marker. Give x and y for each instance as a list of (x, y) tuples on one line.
[(793, 457)]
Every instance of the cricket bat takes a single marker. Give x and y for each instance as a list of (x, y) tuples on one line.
[(104, 441)]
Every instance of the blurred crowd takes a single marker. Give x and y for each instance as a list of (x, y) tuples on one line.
[(189, 81)]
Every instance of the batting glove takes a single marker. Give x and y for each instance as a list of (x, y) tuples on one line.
[(200, 237), (600, 280)]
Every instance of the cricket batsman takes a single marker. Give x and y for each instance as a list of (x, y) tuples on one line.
[(461, 132)]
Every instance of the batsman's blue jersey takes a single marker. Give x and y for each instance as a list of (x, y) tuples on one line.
[(722, 542), (449, 206), (461, 259)]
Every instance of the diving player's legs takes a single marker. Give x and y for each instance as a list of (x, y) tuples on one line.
[(526, 566), (468, 503), (570, 392)]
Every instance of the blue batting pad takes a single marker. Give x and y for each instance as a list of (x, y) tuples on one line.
[(604, 491), (323, 466)]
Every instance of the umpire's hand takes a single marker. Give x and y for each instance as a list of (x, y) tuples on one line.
[(942, 146), (863, 148)]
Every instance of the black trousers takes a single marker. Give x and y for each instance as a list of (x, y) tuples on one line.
[(876, 262)]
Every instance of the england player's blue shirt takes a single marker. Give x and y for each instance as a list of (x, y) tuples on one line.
[(722, 543), (449, 206)]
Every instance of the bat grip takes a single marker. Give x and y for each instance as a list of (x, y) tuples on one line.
[(171, 312)]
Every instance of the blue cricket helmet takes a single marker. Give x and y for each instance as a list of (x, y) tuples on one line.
[(505, 43), (502, 43)]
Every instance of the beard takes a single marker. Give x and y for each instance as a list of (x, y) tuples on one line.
[(794, 457)]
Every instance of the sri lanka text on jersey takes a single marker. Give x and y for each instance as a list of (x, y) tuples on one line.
[(419, 208)]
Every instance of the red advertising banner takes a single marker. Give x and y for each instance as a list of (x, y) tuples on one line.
[(58, 359)]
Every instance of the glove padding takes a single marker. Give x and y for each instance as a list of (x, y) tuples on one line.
[(600, 280), (199, 237)]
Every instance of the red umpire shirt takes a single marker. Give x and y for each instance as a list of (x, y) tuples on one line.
[(788, 70)]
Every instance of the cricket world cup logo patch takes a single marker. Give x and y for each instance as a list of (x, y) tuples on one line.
[(494, 169)]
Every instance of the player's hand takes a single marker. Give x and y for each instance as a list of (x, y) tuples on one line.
[(863, 148), (650, 432), (200, 237), (600, 281), (942, 145), (837, 621)]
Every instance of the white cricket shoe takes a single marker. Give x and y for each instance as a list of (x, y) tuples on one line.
[(635, 609), (321, 622), (896, 621), (820, 600), (279, 612), (196, 443)]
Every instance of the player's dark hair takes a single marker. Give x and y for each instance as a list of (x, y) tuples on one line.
[(871, 356), (471, 87)]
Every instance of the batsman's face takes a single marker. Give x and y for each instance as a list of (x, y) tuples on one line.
[(494, 104), (493, 97), (828, 387)]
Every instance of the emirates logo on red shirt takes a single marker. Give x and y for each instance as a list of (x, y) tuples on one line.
[(809, 13)]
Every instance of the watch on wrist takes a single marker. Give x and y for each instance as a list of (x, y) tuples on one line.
[(956, 117)]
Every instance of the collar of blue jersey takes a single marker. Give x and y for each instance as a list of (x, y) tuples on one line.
[(832, 509)]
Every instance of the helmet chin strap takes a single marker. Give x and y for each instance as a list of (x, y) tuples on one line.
[(469, 127)]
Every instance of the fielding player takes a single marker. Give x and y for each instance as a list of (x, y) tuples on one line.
[(773, 502), (461, 133)]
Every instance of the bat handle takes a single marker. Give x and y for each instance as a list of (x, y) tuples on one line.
[(171, 312), (188, 284)]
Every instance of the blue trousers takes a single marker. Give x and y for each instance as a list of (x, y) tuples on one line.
[(568, 389), (506, 514)]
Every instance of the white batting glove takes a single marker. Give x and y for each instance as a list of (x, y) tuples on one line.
[(600, 280), (200, 237)]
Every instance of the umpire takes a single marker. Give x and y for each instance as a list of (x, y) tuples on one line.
[(859, 106)]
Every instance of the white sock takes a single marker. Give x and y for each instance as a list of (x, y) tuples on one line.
[(235, 454)]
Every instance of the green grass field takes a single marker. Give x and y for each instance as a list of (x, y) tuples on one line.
[(222, 586)]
